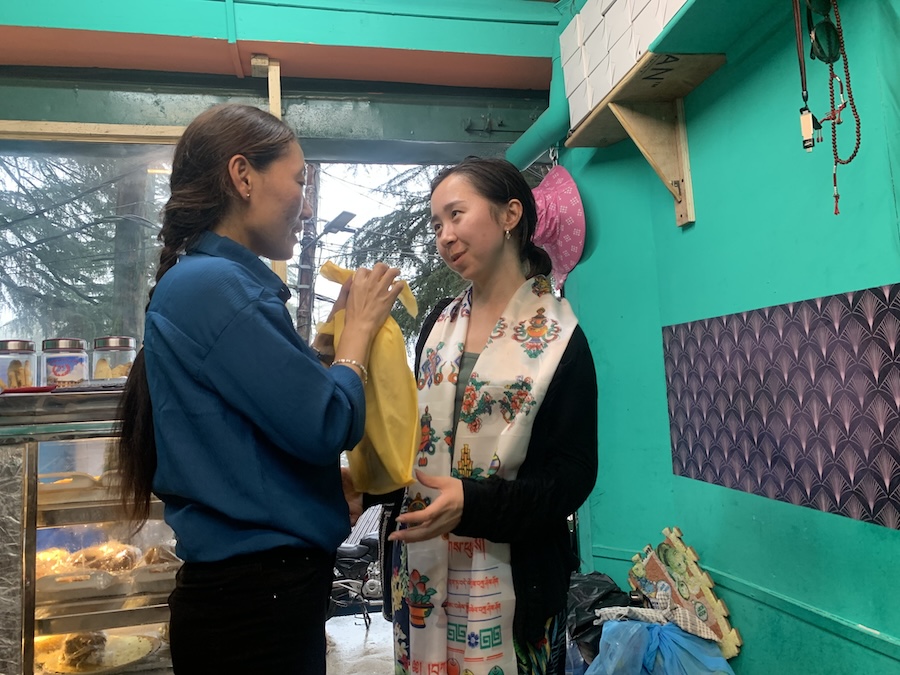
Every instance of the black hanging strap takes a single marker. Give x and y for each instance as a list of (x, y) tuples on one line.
[(798, 29)]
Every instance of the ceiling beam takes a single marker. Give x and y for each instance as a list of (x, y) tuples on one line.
[(502, 27), (335, 121)]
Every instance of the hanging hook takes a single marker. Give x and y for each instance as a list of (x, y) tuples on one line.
[(554, 154)]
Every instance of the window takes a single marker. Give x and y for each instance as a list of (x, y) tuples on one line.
[(78, 227)]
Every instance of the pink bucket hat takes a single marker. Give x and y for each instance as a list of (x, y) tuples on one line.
[(560, 222)]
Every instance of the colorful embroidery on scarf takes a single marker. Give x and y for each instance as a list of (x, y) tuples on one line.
[(453, 377), (430, 369), (428, 444), (538, 334), (472, 640), (417, 503), (418, 599), (499, 330), (461, 309), (475, 404), (465, 467), (541, 286), (471, 629), (453, 668), (517, 399)]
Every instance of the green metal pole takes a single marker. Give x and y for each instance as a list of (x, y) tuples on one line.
[(548, 129)]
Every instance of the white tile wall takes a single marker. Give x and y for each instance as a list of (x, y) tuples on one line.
[(603, 42)]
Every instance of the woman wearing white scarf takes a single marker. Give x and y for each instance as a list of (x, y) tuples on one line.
[(508, 406)]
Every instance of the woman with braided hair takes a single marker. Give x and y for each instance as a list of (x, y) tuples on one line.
[(229, 417)]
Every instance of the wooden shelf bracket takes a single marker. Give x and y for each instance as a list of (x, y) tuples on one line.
[(658, 130), (647, 106)]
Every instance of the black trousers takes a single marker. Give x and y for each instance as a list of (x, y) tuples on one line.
[(260, 613)]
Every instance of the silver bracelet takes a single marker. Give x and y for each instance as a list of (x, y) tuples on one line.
[(354, 362)]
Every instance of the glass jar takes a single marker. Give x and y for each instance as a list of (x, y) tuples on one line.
[(112, 357), (18, 364), (64, 362)]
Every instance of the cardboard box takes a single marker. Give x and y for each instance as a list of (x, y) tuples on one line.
[(648, 25), (670, 9), (618, 19), (574, 71), (600, 80), (636, 7), (605, 5), (591, 16), (571, 39), (581, 102), (622, 56), (596, 47)]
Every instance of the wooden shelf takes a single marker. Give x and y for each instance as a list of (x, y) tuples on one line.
[(646, 106)]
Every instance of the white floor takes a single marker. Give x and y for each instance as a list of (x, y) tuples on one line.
[(352, 650)]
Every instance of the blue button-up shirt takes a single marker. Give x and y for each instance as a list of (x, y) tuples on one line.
[(249, 425)]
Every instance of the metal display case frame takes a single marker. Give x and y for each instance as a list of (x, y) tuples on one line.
[(26, 420)]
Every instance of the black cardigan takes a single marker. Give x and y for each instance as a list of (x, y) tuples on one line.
[(530, 512)]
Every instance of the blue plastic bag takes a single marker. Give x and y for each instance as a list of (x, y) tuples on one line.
[(575, 664), (623, 646), (638, 648)]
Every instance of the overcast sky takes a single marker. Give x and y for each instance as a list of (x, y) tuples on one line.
[(348, 187)]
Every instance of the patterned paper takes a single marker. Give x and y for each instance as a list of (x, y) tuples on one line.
[(798, 402), (671, 573)]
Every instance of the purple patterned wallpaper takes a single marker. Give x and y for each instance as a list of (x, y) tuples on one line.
[(799, 402)]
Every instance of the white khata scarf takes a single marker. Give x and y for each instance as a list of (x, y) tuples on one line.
[(453, 597)]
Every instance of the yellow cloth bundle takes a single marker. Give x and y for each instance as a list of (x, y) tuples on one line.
[(383, 460)]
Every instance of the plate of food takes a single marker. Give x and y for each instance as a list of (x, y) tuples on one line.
[(96, 653), (68, 486)]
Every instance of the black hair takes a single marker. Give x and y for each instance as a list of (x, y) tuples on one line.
[(499, 181), (201, 195)]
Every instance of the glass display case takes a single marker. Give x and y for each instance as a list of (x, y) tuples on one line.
[(80, 591)]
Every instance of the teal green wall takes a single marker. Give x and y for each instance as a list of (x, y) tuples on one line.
[(508, 27), (810, 592)]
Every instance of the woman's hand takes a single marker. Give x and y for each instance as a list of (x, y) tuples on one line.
[(371, 297), (369, 301), (341, 302), (352, 495), (440, 517), (324, 342)]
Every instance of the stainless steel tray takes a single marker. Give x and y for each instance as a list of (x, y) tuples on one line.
[(101, 613)]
